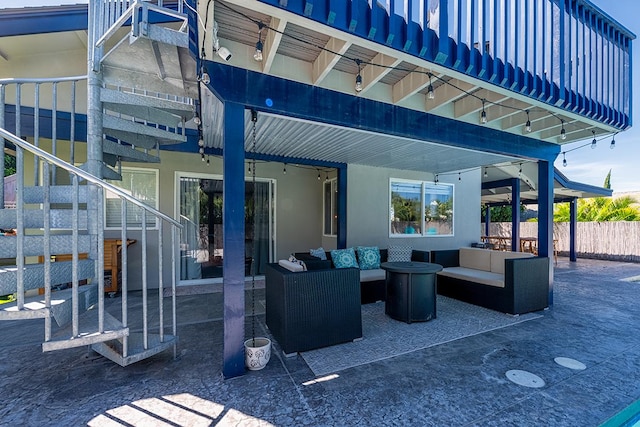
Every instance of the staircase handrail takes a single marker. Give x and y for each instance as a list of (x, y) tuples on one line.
[(85, 175), (41, 80)]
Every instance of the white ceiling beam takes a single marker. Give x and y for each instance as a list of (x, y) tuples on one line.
[(520, 119), (570, 126), (378, 67), (413, 83), (446, 93), (272, 42), (508, 107), (546, 123), (585, 134), (471, 104), (325, 62), (515, 171)]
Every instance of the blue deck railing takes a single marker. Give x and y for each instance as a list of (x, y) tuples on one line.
[(566, 53)]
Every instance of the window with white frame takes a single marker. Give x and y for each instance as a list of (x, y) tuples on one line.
[(139, 183), (330, 205), (420, 208)]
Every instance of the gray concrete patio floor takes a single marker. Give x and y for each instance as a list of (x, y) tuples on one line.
[(594, 320)]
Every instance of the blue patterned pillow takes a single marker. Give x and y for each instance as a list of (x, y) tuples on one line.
[(318, 253), (399, 253), (368, 257), (344, 258)]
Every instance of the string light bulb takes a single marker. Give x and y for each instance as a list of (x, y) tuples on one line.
[(527, 125), (319, 176), (613, 142), (594, 142), (257, 55), (520, 171), (459, 177), (483, 115), (485, 172), (563, 132), (564, 160), (430, 94), (284, 169), (196, 119), (204, 78), (358, 78), (201, 142)]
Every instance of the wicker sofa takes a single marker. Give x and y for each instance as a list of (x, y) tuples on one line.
[(510, 282), (372, 282), (312, 309)]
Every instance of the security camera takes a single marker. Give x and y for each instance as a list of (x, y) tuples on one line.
[(224, 53)]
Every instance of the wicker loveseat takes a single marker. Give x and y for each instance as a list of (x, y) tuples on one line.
[(312, 309), (372, 282), (510, 282)]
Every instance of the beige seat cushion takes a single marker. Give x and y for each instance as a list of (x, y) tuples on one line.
[(476, 258), (371, 275), (498, 257), (478, 276)]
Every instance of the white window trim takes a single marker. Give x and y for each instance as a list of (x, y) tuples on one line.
[(272, 209), (156, 174), (423, 232), (334, 187)]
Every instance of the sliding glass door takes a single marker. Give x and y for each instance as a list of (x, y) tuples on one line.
[(201, 243)]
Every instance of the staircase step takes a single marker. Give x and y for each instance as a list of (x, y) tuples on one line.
[(57, 194), (167, 36), (59, 244), (34, 218), (61, 305), (107, 173), (112, 350), (127, 153), (123, 129), (33, 277), (88, 332), (150, 108)]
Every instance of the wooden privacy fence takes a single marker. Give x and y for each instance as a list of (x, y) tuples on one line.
[(618, 240)]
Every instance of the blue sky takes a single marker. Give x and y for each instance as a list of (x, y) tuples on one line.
[(591, 166), (583, 165)]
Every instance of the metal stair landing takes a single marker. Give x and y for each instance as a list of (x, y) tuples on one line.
[(163, 63), (113, 350), (88, 332)]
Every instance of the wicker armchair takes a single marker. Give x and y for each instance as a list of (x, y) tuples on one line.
[(313, 309)]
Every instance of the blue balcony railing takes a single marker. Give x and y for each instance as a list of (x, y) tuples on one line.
[(566, 53)]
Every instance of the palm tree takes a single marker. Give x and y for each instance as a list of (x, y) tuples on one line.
[(601, 209)]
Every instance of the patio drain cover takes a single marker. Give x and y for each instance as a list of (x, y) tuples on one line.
[(570, 363), (524, 378)]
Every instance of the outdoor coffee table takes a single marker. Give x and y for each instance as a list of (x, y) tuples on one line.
[(410, 290)]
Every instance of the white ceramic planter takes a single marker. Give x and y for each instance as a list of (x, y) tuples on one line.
[(257, 352)]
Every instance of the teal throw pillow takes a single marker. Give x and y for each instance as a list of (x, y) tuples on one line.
[(344, 258), (318, 253), (399, 253), (368, 257)]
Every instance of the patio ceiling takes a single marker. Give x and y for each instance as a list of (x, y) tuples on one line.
[(301, 50)]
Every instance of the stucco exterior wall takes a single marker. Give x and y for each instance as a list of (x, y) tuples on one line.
[(298, 207), (368, 208)]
